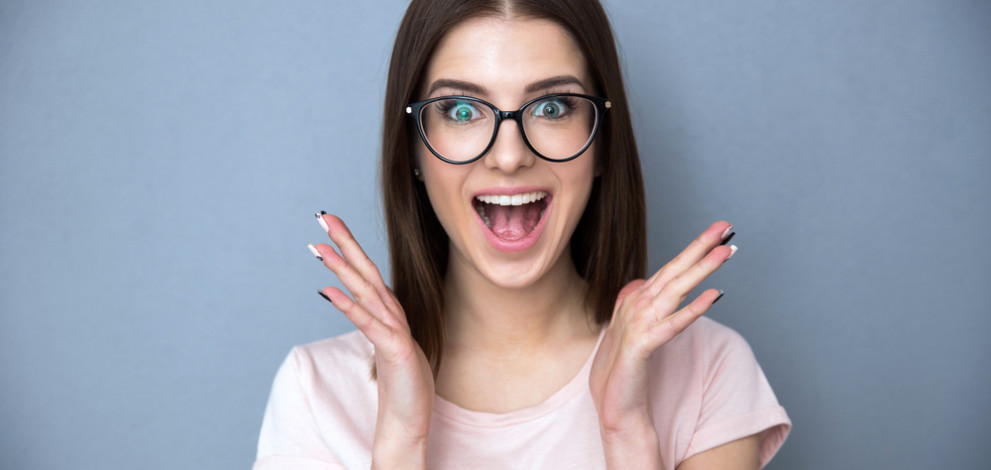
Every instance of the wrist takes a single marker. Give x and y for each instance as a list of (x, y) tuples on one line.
[(634, 444), (614, 421), (398, 445), (389, 453)]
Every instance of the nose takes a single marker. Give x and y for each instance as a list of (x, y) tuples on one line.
[(508, 153)]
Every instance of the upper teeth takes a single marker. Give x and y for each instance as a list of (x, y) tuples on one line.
[(512, 200)]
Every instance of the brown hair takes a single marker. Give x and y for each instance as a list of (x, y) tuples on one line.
[(609, 244)]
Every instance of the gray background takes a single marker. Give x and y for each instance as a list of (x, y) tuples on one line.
[(161, 162)]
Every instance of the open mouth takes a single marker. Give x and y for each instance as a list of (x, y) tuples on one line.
[(511, 217)]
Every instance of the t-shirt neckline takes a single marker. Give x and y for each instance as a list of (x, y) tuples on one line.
[(576, 386)]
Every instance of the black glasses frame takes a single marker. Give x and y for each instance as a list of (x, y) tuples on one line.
[(601, 105)]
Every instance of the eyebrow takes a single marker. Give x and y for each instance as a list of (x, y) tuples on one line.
[(471, 88), (467, 87), (554, 82)]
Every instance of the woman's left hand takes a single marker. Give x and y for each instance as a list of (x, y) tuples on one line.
[(645, 317)]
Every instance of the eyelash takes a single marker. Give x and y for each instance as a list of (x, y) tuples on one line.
[(553, 91)]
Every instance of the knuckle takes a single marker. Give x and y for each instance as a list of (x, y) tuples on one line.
[(631, 341), (642, 304), (710, 263), (674, 287), (334, 261), (665, 271), (708, 238), (364, 290), (364, 322)]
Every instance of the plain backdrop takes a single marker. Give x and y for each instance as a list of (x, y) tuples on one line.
[(160, 163)]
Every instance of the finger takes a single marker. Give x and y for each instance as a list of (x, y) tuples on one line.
[(702, 244), (334, 261), (377, 332), (674, 291), (363, 290), (696, 250), (351, 250), (662, 330)]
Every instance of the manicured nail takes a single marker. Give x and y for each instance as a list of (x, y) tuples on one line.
[(324, 296), (728, 238), (717, 298), (313, 249), (726, 233), (323, 223), (732, 249)]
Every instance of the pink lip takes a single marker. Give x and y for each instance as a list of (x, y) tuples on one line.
[(525, 242)]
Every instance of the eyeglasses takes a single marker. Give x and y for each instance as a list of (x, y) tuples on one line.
[(461, 129)]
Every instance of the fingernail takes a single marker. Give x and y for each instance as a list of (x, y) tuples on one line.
[(732, 250), (324, 296), (323, 223), (726, 239), (727, 232), (713, 302), (313, 249)]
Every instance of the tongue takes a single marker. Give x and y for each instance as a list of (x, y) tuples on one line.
[(513, 222)]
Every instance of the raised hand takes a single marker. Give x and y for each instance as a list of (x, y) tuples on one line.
[(645, 317), (405, 380)]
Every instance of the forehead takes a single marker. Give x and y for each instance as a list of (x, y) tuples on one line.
[(503, 56)]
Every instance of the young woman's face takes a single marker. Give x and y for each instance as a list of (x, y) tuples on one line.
[(506, 63)]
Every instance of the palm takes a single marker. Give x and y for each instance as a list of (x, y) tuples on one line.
[(403, 374), (647, 316)]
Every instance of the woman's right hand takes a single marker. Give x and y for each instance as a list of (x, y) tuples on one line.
[(405, 380)]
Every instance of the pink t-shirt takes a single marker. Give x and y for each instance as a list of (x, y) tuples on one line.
[(708, 390)]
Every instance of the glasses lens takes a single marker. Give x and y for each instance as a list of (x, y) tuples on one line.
[(560, 127), (458, 129)]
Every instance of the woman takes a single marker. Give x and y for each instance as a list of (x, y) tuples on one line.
[(519, 333)]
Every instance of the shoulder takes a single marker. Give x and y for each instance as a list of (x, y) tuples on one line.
[(330, 380), (714, 334), (322, 405), (712, 385), (705, 343), (708, 357), (340, 363), (344, 349)]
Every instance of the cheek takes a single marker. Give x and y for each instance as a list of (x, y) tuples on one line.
[(581, 172), (444, 185), (579, 178)]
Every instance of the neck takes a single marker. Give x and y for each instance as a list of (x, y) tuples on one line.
[(487, 317)]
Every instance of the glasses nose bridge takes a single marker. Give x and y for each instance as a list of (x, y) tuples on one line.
[(514, 116), (521, 143)]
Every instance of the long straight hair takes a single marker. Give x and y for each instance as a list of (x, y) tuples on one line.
[(608, 246)]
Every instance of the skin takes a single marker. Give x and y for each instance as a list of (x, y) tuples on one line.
[(515, 315)]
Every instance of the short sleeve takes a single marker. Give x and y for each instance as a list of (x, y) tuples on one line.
[(737, 400), (290, 437)]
